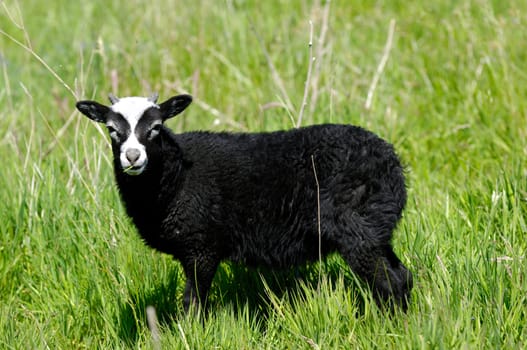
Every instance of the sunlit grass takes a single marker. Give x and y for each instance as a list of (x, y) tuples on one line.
[(451, 98)]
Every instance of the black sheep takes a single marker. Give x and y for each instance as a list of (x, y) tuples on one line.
[(253, 197)]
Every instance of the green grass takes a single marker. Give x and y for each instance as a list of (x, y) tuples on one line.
[(452, 98)]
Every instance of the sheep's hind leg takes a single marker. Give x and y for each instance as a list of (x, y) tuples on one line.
[(390, 281)]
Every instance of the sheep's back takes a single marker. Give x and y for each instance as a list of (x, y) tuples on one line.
[(261, 195)]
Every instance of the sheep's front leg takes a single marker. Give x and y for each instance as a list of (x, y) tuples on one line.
[(200, 272)]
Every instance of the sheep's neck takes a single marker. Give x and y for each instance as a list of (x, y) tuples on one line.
[(138, 193), (146, 196)]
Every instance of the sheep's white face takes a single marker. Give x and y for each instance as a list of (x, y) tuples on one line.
[(133, 123), (126, 130)]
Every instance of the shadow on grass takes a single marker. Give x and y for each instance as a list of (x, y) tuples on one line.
[(235, 286)]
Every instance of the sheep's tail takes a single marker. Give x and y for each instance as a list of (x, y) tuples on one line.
[(387, 206), (382, 198)]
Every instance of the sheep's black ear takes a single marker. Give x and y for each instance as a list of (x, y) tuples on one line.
[(174, 105), (93, 110)]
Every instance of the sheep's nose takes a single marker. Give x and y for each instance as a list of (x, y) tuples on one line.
[(132, 154)]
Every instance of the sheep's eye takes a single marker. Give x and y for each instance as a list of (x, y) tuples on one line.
[(114, 134), (154, 131)]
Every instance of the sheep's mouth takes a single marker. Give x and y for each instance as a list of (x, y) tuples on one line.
[(134, 170)]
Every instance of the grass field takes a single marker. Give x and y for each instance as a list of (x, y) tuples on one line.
[(446, 83)]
